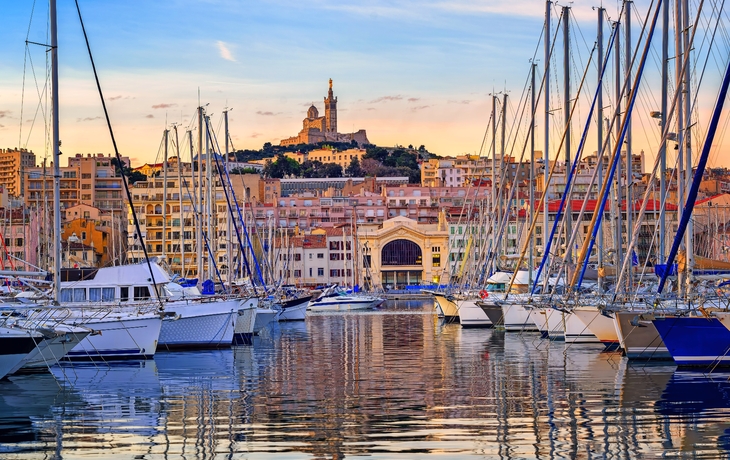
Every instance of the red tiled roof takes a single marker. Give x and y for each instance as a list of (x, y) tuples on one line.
[(591, 205), (705, 200)]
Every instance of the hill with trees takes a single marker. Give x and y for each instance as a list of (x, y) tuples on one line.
[(377, 161)]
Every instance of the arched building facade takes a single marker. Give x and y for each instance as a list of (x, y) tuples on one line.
[(401, 252)]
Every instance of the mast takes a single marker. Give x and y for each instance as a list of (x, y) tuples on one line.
[(495, 211), (629, 201), (56, 157), (689, 236), (503, 177), (209, 200), (702, 162), (546, 154), (532, 168), (164, 200), (180, 195), (566, 120), (663, 118), (616, 210), (599, 123), (199, 205), (229, 240)]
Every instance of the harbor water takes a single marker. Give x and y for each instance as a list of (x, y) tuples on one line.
[(385, 384)]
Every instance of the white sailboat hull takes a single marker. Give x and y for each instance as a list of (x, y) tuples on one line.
[(601, 326), (517, 318), (199, 324), (120, 337), (555, 324), (576, 330), (472, 315), (246, 321), (537, 315), (50, 351)]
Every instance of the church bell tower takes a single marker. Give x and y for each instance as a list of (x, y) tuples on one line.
[(330, 111)]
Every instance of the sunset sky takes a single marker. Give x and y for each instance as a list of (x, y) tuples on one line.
[(409, 72)]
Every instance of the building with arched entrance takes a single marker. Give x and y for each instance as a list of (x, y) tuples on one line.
[(401, 252)]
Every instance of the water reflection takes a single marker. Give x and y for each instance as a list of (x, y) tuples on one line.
[(390, 383)]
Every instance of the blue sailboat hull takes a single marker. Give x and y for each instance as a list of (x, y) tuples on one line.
[(695, 341)]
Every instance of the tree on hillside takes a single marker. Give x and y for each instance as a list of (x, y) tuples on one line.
[(354, 169), (281, 167), (332, 170), (132, 176), (370, 166)]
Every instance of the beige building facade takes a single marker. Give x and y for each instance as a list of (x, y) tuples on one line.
[(401, 252)]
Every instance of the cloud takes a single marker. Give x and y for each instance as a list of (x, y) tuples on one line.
[(224, 51), (420, 107), (2, 126), (163, 106), (150, 116), (78, 120), (414, 99), (463, 101), (255, 135), (114, 98), (386, 99), (267, 114), (4, 113), (370, 108)]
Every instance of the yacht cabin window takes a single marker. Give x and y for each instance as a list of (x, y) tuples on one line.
[(124, 293), (79, 294), (107, 294), (141, 293)]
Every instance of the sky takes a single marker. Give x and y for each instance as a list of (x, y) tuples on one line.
[(409, 72)]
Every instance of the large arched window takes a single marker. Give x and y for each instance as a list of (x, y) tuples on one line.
[(401, 252)]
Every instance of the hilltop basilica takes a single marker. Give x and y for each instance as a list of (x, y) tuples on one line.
[(318, 129)]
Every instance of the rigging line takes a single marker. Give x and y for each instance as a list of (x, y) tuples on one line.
[(665, 134), (243, 224), (491, 252), (22, 91), (588, 243), (119, 157), (38, 91), (486, 132), (704, 68)]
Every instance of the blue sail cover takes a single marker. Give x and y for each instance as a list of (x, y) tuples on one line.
[(661, 269)]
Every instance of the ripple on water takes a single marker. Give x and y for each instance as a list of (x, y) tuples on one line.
[(390, 383)]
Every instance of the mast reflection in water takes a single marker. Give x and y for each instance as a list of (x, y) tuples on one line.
[(393, 383)]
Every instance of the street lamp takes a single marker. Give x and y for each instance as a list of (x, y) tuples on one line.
[(71, 239)]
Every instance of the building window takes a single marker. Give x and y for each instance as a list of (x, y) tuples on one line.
[(435, 249), (401, 252), (436, 260), (297, 257), (320, 271), (320, 255)]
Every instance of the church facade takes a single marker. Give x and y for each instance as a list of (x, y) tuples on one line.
[(320, 129)]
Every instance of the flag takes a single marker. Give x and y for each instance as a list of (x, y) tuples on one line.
[(634, 259)]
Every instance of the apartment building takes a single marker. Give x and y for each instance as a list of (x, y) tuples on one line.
[(90, 179), (13, 164)]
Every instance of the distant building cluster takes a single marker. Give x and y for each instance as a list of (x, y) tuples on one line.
[(367, 231)]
